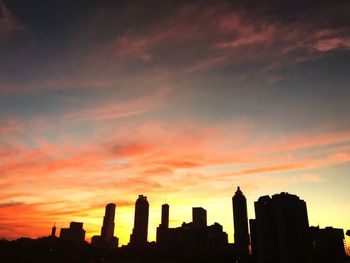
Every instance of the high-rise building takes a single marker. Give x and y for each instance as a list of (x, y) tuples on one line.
[(162, 229), (281, 229), (165, 216), (107, 238), (107, 231), (140, 230), (53, 230), (240, 221), (199, 217)]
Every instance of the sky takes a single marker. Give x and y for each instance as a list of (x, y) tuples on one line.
[(181, 101)]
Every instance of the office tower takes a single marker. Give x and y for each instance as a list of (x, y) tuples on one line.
[(107, 238), (139, 232), (75, 233), (240, 220), (107, 231), (281, 229), (53, 230), (162, 229), (199, 217), (165, 216)]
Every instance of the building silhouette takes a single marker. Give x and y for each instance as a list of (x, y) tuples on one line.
[(281, 230), (107, 230), (53, 230), (75, 233), (140, 230), (253, 240), (279, 234), (107, 238), (199, 217), (162, 229), (240, 220), (194, 241), (165, 216), (327, 244)]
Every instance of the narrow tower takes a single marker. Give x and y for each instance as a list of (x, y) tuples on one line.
[(165, 216), (107, 231), (53, 230), (107, 238), (139, 232), (240, 220), (163, 228)]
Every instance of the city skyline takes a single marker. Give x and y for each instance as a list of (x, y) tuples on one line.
[(293, 209), (279, 233), (103, 100)]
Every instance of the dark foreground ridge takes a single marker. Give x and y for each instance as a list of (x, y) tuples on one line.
[(280, 233)]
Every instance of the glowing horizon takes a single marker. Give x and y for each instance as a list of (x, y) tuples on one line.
[(101, 102)]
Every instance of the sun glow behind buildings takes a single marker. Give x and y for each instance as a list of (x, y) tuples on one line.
[(100, 107)]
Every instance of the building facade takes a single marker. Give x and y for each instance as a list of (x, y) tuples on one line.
[(140, 230), (107, 238), (75, 233), (281, 229), (199, 217), (240, 222)]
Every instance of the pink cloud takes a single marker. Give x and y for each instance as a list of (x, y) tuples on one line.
[(9, 127), (155, 158), (202, 37), (325, 45)]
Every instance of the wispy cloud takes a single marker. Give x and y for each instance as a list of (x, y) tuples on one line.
[(155, 158), (8, 22), (120, 110)]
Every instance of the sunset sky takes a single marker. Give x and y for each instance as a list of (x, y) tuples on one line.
[(181, 101)]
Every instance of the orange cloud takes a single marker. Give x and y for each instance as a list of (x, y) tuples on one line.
[(156, 159)]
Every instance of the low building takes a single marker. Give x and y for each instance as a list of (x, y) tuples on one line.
[(327, 244), (75, 233)]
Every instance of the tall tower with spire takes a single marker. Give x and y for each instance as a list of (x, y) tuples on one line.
[(53, 230), (240, 221)]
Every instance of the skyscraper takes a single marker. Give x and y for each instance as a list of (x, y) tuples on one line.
[(107, 238), (53, 230), (107, 230), (162, 229), (281, 229), (165, 215), (140, 230), (240, 221)]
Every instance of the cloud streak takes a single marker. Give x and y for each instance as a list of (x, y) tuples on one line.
[(118, 102)]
